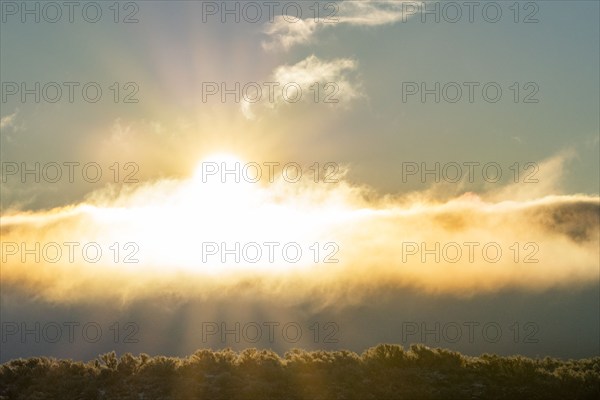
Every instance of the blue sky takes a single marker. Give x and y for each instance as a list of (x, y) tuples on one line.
[(170, 67), (170, 52)]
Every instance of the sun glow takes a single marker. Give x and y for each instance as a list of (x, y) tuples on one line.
[(216, 160), (221, 206), (216, 228), (218, 184)]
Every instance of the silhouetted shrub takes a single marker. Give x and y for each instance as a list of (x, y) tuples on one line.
[(386, 371)]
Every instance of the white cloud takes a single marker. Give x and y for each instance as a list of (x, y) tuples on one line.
[(8, 121), (8, 125), (545, 241), (335, 84), (284, 34)]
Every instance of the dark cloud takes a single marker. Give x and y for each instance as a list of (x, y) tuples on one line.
[(579, 221)]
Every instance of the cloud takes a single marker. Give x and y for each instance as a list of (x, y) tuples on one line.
[(284, 35), (310, 80), (468, 244), (540, 178), (285, 32), (8, 123)]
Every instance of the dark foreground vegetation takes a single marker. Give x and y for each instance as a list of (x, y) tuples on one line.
[(382, 372)]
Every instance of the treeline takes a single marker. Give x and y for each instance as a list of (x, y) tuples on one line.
[(382, 372)]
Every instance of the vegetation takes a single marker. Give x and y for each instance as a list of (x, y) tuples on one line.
[(382, 372)]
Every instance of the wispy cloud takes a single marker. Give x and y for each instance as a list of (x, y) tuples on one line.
[(285, 33), (8, 121), (310, 80), (8, 125)]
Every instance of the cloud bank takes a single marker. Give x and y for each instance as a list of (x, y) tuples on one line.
[(464, 245)]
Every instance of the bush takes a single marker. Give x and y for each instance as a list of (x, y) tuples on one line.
[(385, 371)]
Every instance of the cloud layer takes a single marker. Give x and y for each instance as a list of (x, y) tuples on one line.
[(463, 245)]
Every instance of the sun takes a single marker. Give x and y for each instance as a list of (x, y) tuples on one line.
[(213, 168), (222, 157), (192, 225)]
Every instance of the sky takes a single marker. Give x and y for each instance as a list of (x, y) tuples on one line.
[(391, 171)]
